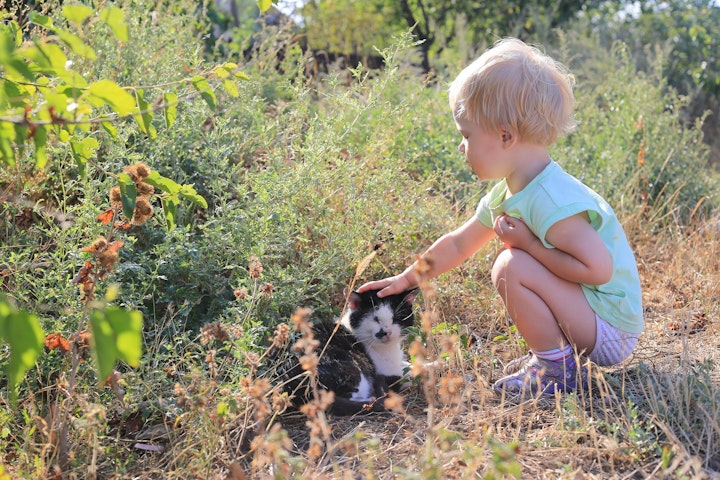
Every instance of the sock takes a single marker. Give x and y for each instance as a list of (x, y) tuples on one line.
[(556, 354)]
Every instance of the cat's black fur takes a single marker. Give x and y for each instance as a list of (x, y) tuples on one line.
[(364, 357)]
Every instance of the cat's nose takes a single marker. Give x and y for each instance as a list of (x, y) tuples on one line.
[(381, 334)]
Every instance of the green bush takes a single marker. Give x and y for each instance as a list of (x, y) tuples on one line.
[(631, 145)]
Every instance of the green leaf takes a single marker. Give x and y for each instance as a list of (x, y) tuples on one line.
[(117, 335), (40, 138), (162, 183), (115, 18), (21, 330), (170, 101), (264, 5), (12, 94), (76, 44), (188, 192), (85, 147), (169, 205), (49, 57), (82, 151), (144, 120), (230, 87), (42, 20), (128, 193), (107, 92), (127, 326), (110, 129), (76, 13), (7, 153), (206, 92)]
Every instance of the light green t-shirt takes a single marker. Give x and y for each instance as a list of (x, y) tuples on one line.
[(554, 195)]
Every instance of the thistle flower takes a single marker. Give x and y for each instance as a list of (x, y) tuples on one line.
[(241, 293)]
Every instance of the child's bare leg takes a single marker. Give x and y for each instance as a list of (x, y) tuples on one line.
[(549, 312), (553, 317)]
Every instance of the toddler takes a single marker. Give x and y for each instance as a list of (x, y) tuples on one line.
[(567, 275)]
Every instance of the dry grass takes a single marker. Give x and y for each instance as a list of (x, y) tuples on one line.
[(653, 417)]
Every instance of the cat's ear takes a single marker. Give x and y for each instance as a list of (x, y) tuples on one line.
[(411, 295), (354, 301)]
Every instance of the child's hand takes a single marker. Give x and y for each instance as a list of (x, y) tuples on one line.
[(387, 286), (513, 232)]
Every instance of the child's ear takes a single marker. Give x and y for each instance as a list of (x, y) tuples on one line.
[(508, 138)]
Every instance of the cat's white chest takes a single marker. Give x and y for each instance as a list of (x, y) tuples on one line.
[(388, 358)]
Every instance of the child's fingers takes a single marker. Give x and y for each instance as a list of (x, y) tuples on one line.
[(374, 285)]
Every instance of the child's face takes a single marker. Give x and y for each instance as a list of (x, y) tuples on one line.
[(483, 150)]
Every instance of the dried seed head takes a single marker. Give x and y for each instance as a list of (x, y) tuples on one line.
[(281, 401), (326, 398), (255, 268), (282, 332), (213, 331), (309, 362), (98, 246), (267, 289), (252, 359), (259, 388), (115, 196), (145, 189), (132, 172), (142, 170), (241, 293), (107, 259), (143, 211), (450, 388), (394, 402)]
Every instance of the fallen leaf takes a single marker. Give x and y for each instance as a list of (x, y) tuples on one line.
[(107, 216), (56, 341)]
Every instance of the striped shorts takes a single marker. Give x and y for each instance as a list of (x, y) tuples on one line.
[(612, 345)]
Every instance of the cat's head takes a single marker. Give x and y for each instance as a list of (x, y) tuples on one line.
[(380, 320)]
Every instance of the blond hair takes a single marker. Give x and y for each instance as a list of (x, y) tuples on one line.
[(518, 88)]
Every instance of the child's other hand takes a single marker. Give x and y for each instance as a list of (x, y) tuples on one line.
[(513, 232)]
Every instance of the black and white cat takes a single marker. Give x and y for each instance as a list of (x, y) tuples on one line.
[(364, 358)]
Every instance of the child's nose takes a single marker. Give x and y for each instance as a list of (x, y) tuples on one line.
[(461, 147)]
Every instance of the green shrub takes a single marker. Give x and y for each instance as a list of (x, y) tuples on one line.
[(631, 145)]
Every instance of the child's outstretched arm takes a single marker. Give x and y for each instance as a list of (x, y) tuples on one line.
[(579, 255), (445, 253)]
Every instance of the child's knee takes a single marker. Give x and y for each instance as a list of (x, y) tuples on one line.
[(507, 262)]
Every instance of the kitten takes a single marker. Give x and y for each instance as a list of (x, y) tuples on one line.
[(364, 357)]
